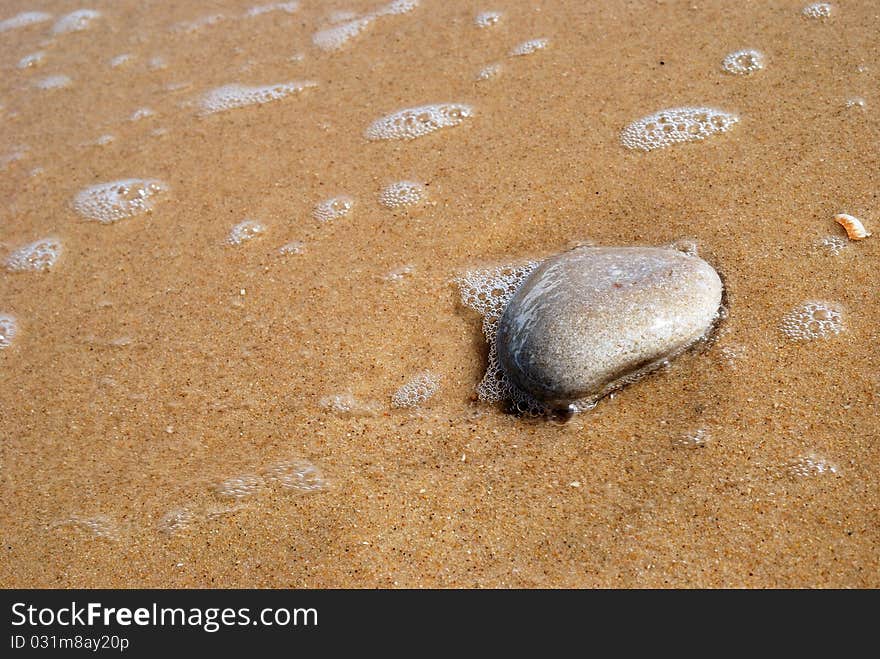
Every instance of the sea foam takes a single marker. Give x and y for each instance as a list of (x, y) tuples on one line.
[(676, 125), (415, 122)]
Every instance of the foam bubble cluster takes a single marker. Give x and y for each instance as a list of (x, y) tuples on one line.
[(421, 387), (418, 121), (397, 7), (348, 25), (674, 126), (117, 200), (53, 82), (244, 231), (489, 71), (234, 96), (399, 273), (39, 256), (33, 60), (198, 24), (259, 10), (295, 476), (529, 47), (402, 194), (818, 10), (176, 521), (24, 19), (8, 330), (810, 466), (488, 292), (100, 526), (75, 21), (743, 62), (334, 38), (121, 60), (295, 247), (693, 439), (346, 404), (812, 320), (333, 208), (141, 113), (487, 19), (341, 16), (834, 244), (239, 487)]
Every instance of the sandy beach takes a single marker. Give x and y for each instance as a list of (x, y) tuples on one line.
[(187, 404)]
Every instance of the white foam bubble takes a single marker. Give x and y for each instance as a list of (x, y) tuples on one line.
[(731, 354), (188, 27), (259, 10), (397, 7), (529, 47), (812, 320), (399, 273), (76, 21), (100, 526), (295, 247), (244, 231), (234, 96), (53, 82), (345, 26), (333, 208), (141, 113), (121, 60), (418, 121), (818, 10), (488, 292), (295, 476), (24, 19), (334, 38), (419, 389), (104, 140), (39, 256), (693, 439), (488, 72), (402, 194), (487, 19), (743, 62), (345, 404), (834, 244), (856, 102), (676, 125), (176, 521), (810, 466), (33, 60), (341, 16), (239, 487), (117, 200), (8, 330)]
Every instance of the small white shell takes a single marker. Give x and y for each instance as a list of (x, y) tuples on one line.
[(855, 230)]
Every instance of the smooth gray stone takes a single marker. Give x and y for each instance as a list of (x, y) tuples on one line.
[(593, 319)]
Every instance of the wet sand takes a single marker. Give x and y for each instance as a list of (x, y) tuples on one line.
[(164, 412)]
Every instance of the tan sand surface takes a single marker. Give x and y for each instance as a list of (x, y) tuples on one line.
[(166, 406)]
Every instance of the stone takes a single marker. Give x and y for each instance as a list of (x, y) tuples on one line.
[(594, 319)]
